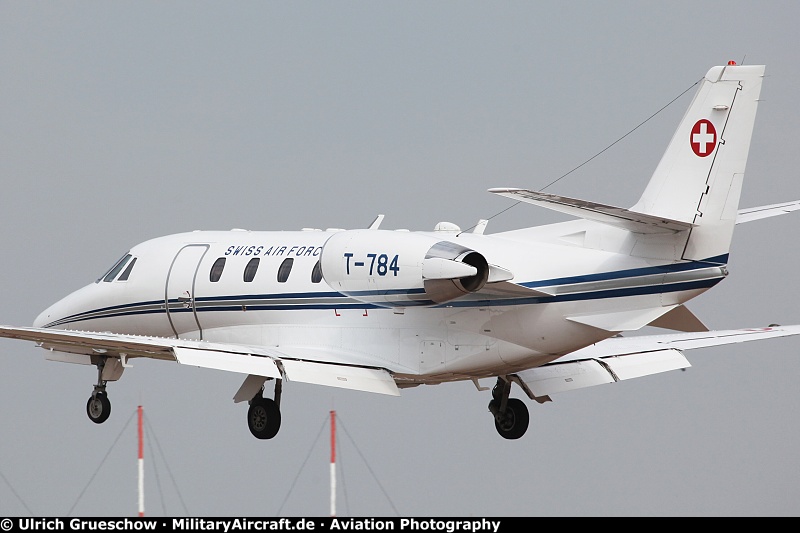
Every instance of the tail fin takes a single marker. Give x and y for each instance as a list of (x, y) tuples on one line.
[(699, 178)]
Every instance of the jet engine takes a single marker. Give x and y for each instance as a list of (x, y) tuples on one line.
[(400, 269)]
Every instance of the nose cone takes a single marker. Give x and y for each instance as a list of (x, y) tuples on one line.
[(51, 316), (43, 318), (57, 315)]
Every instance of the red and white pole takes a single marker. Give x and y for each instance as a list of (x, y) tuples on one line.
[(333, 463), (141, 465)]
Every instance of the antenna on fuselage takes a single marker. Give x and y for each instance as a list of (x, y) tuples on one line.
[(377, 222)]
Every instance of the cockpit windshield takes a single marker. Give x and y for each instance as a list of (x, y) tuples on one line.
[(114, 270)]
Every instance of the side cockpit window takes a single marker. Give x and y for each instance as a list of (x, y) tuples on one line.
[(117, 268), (127, 272)]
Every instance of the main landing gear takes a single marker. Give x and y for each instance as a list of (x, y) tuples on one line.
[(264, 414), (510, 414)]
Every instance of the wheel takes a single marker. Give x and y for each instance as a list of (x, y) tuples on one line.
[(264, 418), (98, 408), (514, 422)]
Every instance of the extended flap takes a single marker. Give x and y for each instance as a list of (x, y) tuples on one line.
[(645, 364), (345, 377), (560, 377), (232, 362)]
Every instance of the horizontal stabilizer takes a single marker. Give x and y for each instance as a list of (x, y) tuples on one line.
[(607, 214), (766, 211)]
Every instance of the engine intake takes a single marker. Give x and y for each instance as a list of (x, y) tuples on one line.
[(442, 290)]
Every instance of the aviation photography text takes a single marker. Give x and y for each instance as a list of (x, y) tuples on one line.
[(228, 525)]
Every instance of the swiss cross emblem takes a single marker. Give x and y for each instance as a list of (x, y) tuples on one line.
[(703, 138)]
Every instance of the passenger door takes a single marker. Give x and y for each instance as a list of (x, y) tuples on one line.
[(179, 292)]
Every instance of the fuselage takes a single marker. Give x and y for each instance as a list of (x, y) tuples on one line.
[(268, 289)]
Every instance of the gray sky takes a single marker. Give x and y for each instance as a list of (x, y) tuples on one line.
[(124, 121)]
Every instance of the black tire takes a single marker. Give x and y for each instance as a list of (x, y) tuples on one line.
[(514, 422), (264, 418), (98, 408)]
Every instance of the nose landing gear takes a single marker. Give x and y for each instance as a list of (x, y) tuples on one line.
[(98, 407), (108, 369)]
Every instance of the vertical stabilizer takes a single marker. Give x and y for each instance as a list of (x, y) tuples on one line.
[(699, 178)]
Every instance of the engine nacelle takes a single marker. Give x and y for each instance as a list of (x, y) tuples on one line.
[(400, 269)]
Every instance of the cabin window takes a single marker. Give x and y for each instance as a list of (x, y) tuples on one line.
[(216, 270), (285, 269), (251, 269), (127, 273), (316, 273), (119, 265)]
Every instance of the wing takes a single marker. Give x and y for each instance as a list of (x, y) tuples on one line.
[(335, 368), (621, 358)]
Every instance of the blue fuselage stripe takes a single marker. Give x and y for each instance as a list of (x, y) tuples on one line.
[(262, 302)]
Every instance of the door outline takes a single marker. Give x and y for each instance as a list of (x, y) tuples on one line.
[(191, 299)]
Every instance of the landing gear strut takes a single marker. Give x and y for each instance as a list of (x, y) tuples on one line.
[(510, 414), (99, 407), (264, 414)]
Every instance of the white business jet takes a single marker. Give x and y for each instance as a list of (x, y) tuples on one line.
[(379, 311)]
